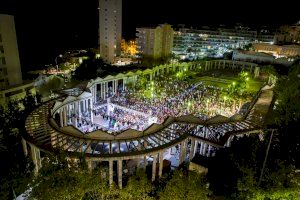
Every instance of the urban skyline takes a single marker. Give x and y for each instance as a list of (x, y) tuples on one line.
[(74, 25)]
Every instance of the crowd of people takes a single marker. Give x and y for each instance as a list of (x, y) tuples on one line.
[(169, 97), (120, 119), (177, 98)]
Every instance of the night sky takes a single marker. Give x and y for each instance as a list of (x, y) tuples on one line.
[(46, 28)]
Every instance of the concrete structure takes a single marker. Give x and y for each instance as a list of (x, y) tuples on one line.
[(258, 57), (288, 34), (10, 68), (155, 42), (191, 134), (11, 83), (110, 29), (17, 92), (278, 51)]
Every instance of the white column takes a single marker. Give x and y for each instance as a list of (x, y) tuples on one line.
[(90, 165), (154, 167), (116, 87), (120, 171), (123, 83), (95, 93), (91, 111), (24, 144), (35, 158), (85, 105), (60, 118), (208, 154), (79, 108), (192, 150), (145, 162), (204, 149), (111, 172), (65, 116), (160, 163), (182, 152)]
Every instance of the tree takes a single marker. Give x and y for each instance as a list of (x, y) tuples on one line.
[(53, 84), (228, 165), (279, 184), (62, 178), (286, 115), (138, 187), (182, 186)]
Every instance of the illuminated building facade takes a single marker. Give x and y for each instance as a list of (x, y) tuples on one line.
[(199, 43), (278, 51), (155, 42), (110, 29), (259, 57)]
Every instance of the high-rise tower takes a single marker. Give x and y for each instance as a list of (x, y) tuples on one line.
[(10, 68), (110, 29)]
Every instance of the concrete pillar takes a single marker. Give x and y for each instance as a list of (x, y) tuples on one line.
[(101, 90), (35, 156), (91, 111), (145, 162), (201, 148), (154, 167), (85, 105), (113, 86), (106, 87), (161, 158), (90, 165), (65, 116), (61, 118), (111, 172), (120, 171), (209, 151), (204, 149), (24, 144), (192, 150), (123, 83), (95, 93), (182, 152)]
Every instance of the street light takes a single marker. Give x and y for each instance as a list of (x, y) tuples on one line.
[(60, 55), (265, 160)]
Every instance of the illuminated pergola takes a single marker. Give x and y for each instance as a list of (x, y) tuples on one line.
[(190, 133)]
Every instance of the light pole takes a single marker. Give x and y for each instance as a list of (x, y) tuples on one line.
[(265, 160), (56, 61)]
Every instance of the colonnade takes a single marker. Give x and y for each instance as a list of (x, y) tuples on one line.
[(35, 155), (187, 153), (104, 88), (100, 87), (222, 64), (70, 112)]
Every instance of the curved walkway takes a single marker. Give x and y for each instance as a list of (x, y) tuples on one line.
[(44, 133)]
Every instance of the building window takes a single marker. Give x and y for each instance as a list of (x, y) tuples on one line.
[(1, 49), (2, 61), (3, 72)]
